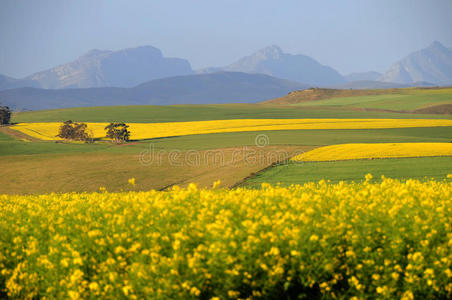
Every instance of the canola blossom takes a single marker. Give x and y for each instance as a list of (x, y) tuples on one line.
[(139, 131), (385, 240), (377, 150)]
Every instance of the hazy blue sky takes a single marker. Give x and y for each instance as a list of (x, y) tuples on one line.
[(349, 35)]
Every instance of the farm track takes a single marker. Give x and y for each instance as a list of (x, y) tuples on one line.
[(17, 134)]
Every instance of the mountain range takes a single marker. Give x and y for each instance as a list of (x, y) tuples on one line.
[(274, 62), (221, 87), (107, 77), (124, 68)]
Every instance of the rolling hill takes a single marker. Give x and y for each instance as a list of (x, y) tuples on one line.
[(417, 100), (371, 84), (223, 87)]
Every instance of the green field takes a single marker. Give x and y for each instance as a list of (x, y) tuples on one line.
[(43, 166), (389, 102), (179, 113), (403, 100), (298, 173)]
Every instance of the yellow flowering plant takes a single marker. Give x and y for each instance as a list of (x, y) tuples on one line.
[(369, 240), (139, 131)]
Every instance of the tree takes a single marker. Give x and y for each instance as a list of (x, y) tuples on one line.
[(73, 131), (118, 132), (5, 115)]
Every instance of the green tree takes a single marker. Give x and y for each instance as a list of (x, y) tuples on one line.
[(5, 115), (118, 132), (74, 131)]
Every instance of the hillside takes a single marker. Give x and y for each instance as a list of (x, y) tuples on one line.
[(415, 100), (371, 84), (314, 94), (222, 87), (123, 68), (273, 61)]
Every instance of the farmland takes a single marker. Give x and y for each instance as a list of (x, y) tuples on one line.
[(222, 127), (142, 131), (270, 226), (401, 100), (371, 151)]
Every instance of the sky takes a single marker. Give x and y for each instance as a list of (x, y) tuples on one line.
[(348, 35)]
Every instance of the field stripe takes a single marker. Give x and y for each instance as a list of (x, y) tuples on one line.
[(140, 131), (378, 150)]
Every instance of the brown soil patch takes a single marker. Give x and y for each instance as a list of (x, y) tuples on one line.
[(443, 109), (45, 173)]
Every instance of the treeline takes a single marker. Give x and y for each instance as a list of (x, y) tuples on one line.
[(118, 132)]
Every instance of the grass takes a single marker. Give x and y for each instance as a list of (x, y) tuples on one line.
[(4, 137), (389, 102), (299, 173), (84, 171), (175, 113)]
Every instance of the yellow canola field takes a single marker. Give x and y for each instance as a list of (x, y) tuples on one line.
[(372, 240), (378, 150), (139, 131)]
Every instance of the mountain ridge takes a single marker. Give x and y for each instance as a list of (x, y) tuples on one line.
[(102, 68), (431, 64), (274, 62), (222, 87)]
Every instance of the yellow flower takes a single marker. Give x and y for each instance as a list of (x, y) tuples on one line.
[(93, 286), (408, 295), (314, 238), (126, 290), (233, 294), (216, 184), (74, 295), (131, 181), (195, 291)]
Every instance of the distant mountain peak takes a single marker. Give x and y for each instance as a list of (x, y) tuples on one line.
[(436, 44), (270, 52), (94, 53), (274, 62), (431, 64), (123, 68)]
